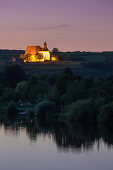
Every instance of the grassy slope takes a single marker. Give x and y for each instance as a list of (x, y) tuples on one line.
[(56, 67)]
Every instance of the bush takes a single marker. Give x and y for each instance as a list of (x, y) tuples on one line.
[(106, 114), (45, 108), (11, 108)]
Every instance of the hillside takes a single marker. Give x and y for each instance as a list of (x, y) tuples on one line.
[(83, 63)]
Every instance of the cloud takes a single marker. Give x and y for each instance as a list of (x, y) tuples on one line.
[(2, 27), (52, 27), (87, 30), (98, 30), (71, 28), (57, 26)]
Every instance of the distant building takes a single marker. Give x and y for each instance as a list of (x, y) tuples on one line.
[(36, 54)]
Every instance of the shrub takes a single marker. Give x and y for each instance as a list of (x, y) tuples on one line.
[(11, 108), (106, 114), (45, 108)]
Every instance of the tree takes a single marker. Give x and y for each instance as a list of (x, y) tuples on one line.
[(68, 71), (79, 110), (11, 108), (61, 84), (65, 78), (45, 108), (9, 94), (37, 91), (106, 114), (13, 74), (86, 109), (21, 90), (76, 91), (52, 79), (55, 50), (1, 89)]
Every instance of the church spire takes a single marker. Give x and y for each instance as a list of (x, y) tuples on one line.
[(45, 45)]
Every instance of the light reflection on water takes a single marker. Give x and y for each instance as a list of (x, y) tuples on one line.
[(57, 145)]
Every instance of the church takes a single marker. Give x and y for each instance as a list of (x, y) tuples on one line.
[(36, 54)]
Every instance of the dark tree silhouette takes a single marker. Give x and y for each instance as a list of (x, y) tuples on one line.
[(13, 74), (55, 50)]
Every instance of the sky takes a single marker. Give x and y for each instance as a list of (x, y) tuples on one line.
[(69, 25)]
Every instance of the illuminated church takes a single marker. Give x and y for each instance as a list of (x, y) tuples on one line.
[(36, 54)]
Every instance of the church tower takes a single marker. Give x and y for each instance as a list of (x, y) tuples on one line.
[(45, 46)]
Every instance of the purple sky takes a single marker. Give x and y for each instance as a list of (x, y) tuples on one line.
[(69, 25)]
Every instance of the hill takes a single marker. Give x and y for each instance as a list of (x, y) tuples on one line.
[(83, 63)]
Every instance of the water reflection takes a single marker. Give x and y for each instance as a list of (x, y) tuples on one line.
[(65, 134)]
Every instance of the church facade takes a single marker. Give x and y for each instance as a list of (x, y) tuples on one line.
[(36, 54)]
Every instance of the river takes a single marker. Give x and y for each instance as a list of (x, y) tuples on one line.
[(30, 145)]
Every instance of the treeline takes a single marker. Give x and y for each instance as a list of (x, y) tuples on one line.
[(69, 56), (88, 59), (107, 63), (85, 57), (11, 52), (66, 95)]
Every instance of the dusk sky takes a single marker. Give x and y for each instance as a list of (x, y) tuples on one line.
[(69, 25)]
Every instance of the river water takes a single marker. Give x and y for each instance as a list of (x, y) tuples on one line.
[(29, 145)]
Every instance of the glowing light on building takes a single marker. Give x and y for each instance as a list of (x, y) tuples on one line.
[(36, 54), (54, 59)]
